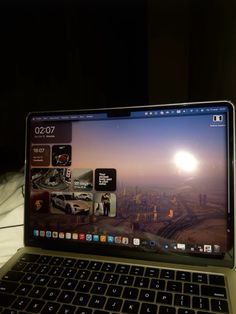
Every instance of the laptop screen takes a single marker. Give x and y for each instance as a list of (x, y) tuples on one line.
[(153, 180)]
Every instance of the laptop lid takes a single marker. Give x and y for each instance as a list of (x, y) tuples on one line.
[(153, 182)]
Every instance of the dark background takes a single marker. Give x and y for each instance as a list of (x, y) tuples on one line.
[(97, 53)]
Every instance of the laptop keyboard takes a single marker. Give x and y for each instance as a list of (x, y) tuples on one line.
[(45, 284)]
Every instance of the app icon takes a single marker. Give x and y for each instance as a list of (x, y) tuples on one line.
[(125, 240), (42, 233), (36, 233), (207, 248), (68, 235), (96, 237), (181, 246), (118, 239), (48, 234), (103, 238), (61, 235), (82, 236), (55, 234), (110, 239), (75, 236), (136, 241), (89, 237), (216, 248)]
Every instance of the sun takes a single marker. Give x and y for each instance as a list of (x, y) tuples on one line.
[(185, 161)]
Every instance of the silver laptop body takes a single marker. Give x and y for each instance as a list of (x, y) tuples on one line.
[(135, 204)]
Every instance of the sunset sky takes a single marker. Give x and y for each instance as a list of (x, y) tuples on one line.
[(146, 148)]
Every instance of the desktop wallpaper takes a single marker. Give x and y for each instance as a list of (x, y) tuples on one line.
[(158, 184)]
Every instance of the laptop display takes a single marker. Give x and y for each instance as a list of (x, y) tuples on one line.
[(151, 182)]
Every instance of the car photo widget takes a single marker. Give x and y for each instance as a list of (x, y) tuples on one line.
[(61, 155), (51, 178), (105, 179), (72, 203)]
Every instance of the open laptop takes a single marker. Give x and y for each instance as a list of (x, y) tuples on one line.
[(127, 210)]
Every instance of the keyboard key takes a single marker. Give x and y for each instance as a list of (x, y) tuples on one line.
[(69, 273), (83, 310), (66, 296), (99, 288), (130, 307), (191, 288), (20, 303), (200, 278), (147, 295), (8, 286), (82, 264), (96, 276), (37, 292), (137, 270), (141, 282), (29, 258), (67, 309), (42, 280), (212, 291), (55, 282), (51, 294), (166, 310), (158, 284), (126, 280), (217, 280), (29, 278), (56, 261), (82, 274), (113, 304), (69, 284), (97, 301), (23, 289), (200, 303), (51, 308), (6, 299), (35, 306), (183, 276), (167, 274), (130, 293), (56, 271), (219, 306), (114, 291), (164, 297), (122, 269), (174, 286), (152, 272), (81, 299), (84, 286), (186, 311), (111, 278), (69, 262), (94, 265), (19, 266), (13, 276), (147, 308), (182, 300), (108, 267), (44, 259)]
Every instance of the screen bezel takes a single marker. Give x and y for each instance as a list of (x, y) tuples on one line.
[(101, 249)]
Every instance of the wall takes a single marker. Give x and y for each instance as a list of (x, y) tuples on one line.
[(67, 55)]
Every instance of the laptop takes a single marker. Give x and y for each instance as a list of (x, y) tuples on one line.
[(127, 210)]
